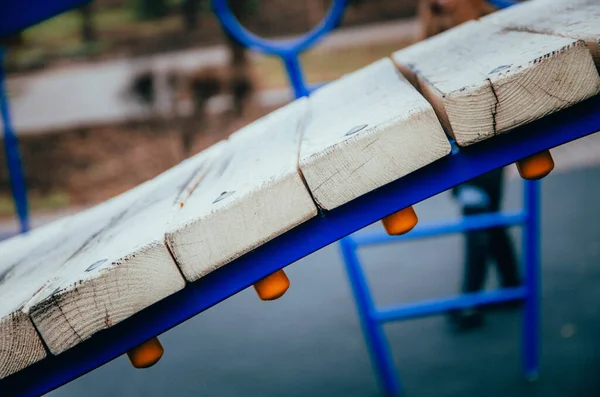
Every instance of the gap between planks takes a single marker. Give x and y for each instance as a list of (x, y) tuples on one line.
[(483, 79)]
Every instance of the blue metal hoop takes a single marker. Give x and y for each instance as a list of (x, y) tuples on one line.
[(502, 3), (281, 48), (287, 50)]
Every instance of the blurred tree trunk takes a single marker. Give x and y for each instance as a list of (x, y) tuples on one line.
[(237, 50), (88, 31), (189, 12), (239, 63), (150, 9)]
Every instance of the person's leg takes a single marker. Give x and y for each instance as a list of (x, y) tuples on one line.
[(475, 201), (501, 249), (476, 252), (503, 253)]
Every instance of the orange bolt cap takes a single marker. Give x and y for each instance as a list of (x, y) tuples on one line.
[(273, 286), (147, 354), (401, 222), (537, 166)]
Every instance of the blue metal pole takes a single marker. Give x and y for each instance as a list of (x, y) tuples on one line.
[(13, 156), (375, 339), (442, 228), (531, 254), (295, 75), (443, 305), (502, 3), (278, 47)]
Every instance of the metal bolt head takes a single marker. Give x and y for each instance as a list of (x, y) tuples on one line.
[(223, 196), (96, 265), (356, 129), (500, 68)]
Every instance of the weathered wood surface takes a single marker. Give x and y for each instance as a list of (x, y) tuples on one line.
[(92, 270), (121, 269), (365, 130), (28, 262), (253, 194), (20, 345), (483, 79), (577, 19)]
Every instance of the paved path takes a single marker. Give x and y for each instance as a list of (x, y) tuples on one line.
[(94, 92)]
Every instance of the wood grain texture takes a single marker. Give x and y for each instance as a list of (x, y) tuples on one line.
[(365, 130), (123, 268), (28, 263), (577, 19), (253, 194), (20, 345), (483, 79)]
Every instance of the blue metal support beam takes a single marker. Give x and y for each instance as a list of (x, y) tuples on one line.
[(531, 259), (440, 228), (17, 15), (559, 128), (13, 155), (443, 305)]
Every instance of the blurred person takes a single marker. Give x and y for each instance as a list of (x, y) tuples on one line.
[(482, 194), (437, 16)]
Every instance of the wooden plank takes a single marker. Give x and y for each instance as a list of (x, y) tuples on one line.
[(252, 195), (367, 129), (20, 345), (29, 261), (483, 79), (122, 268), (577, 19)]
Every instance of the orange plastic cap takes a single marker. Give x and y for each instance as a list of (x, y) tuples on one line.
[(147, 354), (272, 287), (537, 166), (401, 222)]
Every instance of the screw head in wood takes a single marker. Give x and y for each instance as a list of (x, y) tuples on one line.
[(96, 265), (499, 69), (356, 129), (223, 196)]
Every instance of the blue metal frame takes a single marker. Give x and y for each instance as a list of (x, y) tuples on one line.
[(373, 318), (531, 258), (21, 14), (287, 50), (13, 155), (462, 165), (465, 164)]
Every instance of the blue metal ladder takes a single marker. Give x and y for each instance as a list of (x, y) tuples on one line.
[(372, 318)]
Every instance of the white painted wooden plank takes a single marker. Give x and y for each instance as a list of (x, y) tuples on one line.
[(27, 262), (483, 79), (252, 195), (20, 345), (120, 270), (367, 129), (577, 19)]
